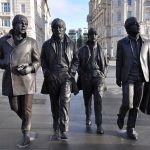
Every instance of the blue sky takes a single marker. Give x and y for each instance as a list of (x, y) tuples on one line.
[(73, 12)]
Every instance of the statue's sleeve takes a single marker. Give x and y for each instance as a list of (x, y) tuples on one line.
[(36, 56), (75, 60), (119, 60)]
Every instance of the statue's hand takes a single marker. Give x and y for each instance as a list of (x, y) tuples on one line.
[(26, 70), (118, 82), (72, 74)]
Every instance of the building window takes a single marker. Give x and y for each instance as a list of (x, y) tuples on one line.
[(129, 14), (147, 15), (119, 16), (22, 8), (147, 3), (119, 2), (130, 2), (5, 7), (6, 22)]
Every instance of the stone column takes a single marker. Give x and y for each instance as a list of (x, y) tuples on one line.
[(142, 10)]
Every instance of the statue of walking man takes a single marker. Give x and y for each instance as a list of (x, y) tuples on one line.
[(59, 61), (20, 59)]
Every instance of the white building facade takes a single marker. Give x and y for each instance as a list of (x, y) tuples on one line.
[(37, 12), (108, 17)]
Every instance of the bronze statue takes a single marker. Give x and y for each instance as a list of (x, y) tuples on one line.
[(91, 77), (20, 58), (129, 75), (145, 61), (59, 61)]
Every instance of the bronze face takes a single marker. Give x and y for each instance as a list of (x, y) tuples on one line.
[(92, 35), (20, 24), (58, 28), (132, 26)]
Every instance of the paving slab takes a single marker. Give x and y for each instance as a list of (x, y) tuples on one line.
[(80, 137)]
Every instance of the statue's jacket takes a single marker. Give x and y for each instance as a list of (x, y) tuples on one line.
[(48, 56), (145, 64), (84, 56), (12, 56), (124, 59)]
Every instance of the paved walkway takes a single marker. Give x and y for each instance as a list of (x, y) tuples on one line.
[(79, 137)]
